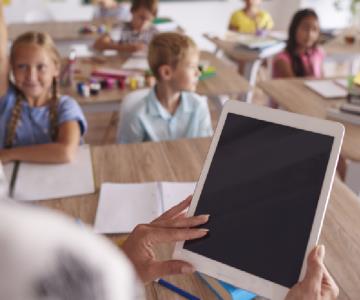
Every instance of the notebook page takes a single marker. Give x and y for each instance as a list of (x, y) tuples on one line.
[(326, 88), (49, 181), (173, 193), (135, 63), (122, 206)]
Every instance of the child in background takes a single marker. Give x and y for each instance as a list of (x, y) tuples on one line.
[(111, 9), (36, 124), (171, 110), (302, 56), (136, 34), (251, 19)]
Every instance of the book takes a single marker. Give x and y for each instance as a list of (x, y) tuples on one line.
[(350, 108), (32, 181), (225, 291), (123, 206), (342, 116), (327, 88)]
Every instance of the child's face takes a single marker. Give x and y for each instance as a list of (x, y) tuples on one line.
[(186, 74), (34, 70), (308, 32), (252, 3), (141, 19)]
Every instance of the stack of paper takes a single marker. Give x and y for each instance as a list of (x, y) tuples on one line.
[(123, 206)]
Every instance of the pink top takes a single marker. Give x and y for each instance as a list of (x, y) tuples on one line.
[(312, 61)]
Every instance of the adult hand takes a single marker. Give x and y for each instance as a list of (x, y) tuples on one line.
[(137, 47), (317, 284), (172, 226)]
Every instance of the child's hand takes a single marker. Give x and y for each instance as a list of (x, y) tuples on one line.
[(4, 156), (138, 47), (318, 283)]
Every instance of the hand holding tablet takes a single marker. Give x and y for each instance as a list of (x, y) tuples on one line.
[(265, 183)]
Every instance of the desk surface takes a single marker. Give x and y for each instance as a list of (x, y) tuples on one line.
[(229, 47), (294, 96), (59, 31), (338, 47), (182, 160), (226, 81)]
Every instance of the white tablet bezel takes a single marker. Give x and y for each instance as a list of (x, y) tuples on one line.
[(235, 276)]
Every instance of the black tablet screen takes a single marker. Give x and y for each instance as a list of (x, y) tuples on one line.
[(261, 192)]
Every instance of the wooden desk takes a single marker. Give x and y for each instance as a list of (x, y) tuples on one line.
[(227, 81), (294, 96), (59, 31), (182, 160), (338, 50), (251, 59)]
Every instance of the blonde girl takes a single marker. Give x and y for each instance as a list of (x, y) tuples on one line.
[(36, 124)]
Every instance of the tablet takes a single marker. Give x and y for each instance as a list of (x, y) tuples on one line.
[(265, 183)]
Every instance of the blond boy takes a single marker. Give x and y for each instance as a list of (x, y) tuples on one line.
[(172, 109)]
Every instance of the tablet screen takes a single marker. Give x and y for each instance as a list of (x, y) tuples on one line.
[(261, 192)]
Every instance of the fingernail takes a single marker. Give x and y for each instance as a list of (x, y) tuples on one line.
[(206, 217), (320, 251), (187, 270), (204, 229)]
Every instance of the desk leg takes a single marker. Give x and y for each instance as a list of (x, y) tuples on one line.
[(251, 69)]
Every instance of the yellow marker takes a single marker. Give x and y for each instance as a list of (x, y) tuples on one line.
[(133, 84), (6, 2), (356, 79)]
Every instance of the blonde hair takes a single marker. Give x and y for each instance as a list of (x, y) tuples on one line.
[(168, 48), (150, 5), (45, 41)]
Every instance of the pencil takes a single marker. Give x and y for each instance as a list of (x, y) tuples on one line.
[(176, 290)]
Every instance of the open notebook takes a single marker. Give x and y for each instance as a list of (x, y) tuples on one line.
[(123, 206), (327, 88), (48, 181)]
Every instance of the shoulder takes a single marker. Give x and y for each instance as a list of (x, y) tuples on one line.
[(319, 52), (9, 98), (264, 14), (196, 101), (237, 14), (283, 56), (67, 102)]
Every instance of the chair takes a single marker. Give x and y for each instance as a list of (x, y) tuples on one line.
[(39, 15), (127, 106)]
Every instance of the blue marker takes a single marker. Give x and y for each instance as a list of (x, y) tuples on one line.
[(176, 290)]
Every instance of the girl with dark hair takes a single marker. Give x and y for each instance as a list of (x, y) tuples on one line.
[(302, 56)]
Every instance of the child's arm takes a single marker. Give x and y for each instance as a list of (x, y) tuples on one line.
[(4, 62), (283, 68), (61, 151), (106, 43)]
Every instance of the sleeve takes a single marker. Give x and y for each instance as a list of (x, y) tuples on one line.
[(69, 110), (131, 131), (204, 128), (234, 20), (269, 21)]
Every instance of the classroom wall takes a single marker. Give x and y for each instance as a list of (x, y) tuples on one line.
[(196, 17)]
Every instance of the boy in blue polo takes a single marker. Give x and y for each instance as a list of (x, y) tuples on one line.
[(171, 110)]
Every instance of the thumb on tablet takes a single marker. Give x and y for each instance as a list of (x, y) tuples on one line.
[(314, 271)]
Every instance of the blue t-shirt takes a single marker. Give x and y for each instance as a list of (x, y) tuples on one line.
[(33, 126)]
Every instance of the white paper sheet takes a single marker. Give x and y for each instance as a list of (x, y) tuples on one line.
[(136, 63), (49, 181), (122, 206), (174, 192), (326, 88)]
